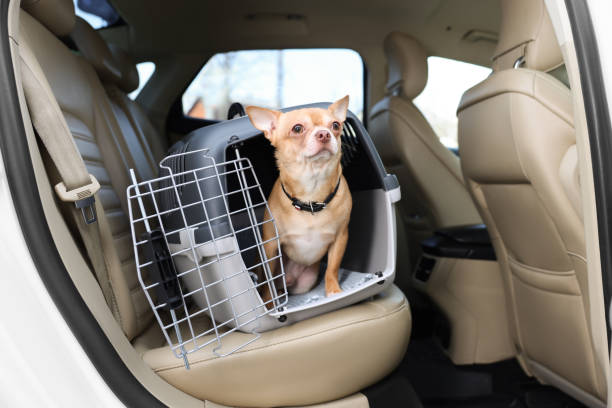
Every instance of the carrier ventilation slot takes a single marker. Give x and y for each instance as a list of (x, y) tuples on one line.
[(176, 163), (350, 144)]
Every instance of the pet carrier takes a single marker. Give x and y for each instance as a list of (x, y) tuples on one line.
[(197, 236)]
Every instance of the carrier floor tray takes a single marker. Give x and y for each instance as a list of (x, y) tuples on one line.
[(356, 286)]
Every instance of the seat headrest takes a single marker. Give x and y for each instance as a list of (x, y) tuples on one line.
[(129, 74), (526, 31), (57, 15), (407, 65), (95, 50)]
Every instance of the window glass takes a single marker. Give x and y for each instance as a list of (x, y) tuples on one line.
[(98, 13), (145, 71), (446, 82), (275, 79)]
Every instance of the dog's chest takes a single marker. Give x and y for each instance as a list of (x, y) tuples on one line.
[(306, 244)]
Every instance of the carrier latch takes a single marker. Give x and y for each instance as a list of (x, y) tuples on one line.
[(164, 273)]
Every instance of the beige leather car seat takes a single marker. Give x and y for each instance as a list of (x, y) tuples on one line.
[(112, 68), (317, 360), (433, 190), (129, 81), (518, 149)]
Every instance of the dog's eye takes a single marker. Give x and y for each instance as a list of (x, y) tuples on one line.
[(336, 126), (297, 129)]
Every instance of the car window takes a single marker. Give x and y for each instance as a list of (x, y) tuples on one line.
[(98, 13), (275, 79), (145, 72), (447, 80)]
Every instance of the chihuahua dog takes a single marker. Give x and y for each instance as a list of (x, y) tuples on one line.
[(310, 201)]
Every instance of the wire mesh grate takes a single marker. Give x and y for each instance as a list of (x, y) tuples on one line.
[(199, 252)]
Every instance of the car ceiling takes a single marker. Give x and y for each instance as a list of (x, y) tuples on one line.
[(459, 29)]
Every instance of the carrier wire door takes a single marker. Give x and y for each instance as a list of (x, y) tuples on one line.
[(199, 252)]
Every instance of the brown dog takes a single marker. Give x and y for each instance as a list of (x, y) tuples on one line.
[(311, 202)]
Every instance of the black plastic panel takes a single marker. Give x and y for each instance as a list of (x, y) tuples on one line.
[(466, 242), (424, 268), (467, 234)]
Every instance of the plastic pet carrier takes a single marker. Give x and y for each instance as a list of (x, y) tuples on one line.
[(197, 236)]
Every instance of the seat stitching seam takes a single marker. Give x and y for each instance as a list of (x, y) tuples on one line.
[(513, 139), (582, 258), (535, 287), (93, 162), (86, 137), (541, 270)]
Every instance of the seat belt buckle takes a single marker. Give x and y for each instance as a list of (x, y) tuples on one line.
[(88, 209), (82, 197)]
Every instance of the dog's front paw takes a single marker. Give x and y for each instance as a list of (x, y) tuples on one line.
[(332, 288)]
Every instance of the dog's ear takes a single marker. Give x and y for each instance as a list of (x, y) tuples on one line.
[(263, 119), (339, 108)]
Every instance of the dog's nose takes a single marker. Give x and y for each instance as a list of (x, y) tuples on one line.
[(323, 136)]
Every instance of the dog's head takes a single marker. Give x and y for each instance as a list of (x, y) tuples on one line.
[(310, 134)]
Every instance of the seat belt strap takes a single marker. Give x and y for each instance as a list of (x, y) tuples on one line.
[(77, 185)]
